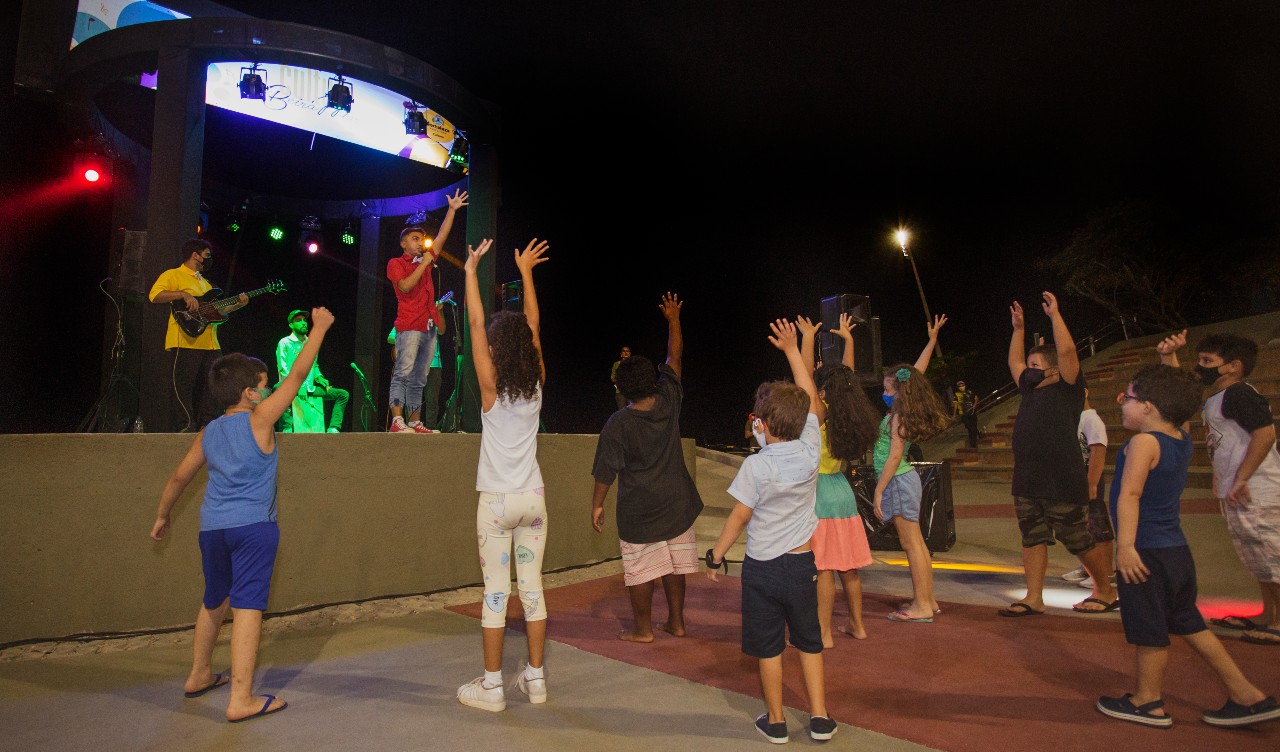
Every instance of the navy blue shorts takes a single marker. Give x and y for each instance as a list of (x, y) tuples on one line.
[(238, 562), (778, 593), (1166, 603)]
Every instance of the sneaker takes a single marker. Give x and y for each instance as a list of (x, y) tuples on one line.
[(1087, 582), (334, 430), (821, 728), (1235, 714), (417, 427), (398, 426), (1076, 575), (1124, 709), (774, 732), (534, 689), (476, 695)]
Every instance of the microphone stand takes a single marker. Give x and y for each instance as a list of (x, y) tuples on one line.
[(368, 399), (452, 406)]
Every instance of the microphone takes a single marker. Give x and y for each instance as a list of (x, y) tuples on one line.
[(446, 298), (359, 372)]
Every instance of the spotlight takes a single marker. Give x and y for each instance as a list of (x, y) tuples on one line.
[(418, 218), (459, 154), (340, 94), (252, 85), (348, 235), (92, 175), (276, 232), (313, 247), (415, 123), (93, 168)]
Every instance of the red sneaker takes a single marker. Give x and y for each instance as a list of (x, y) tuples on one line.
[(417, 427)]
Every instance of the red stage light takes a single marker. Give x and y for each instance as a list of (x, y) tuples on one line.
[(92, 175)]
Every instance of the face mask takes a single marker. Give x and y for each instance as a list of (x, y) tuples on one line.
[(760, 438), (262, 395), (888, 399), (1208, 376), (1033, 376)]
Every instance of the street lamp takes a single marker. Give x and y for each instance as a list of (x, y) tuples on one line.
[(902, 236)]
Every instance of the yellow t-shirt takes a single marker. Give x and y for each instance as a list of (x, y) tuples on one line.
[(185, 279), (828, 465)]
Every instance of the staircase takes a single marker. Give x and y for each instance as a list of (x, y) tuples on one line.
[(1107, 374)]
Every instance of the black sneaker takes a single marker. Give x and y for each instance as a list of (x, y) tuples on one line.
[(821, 728), (1235, 714), (774, 732)]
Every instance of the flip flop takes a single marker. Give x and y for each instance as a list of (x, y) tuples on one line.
[(1262, 640), (904, 606), (264, 711), (1112, 606), (1235, 622), (901, 616), (218, 681), (1019, 609)]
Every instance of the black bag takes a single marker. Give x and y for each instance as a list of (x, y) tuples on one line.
[(937, 512)]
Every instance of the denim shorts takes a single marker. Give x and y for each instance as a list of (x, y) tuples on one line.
[(238, 562), (781, 592), (902, 497)]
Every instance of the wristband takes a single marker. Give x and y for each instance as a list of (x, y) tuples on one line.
[(711, 560)]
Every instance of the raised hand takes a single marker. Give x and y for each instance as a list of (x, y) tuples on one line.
[(1173, 343), (1015, 312), (807, 327), (670, 306), (845, 330), (474, 254), (321, 319), (458, 199), (532, 255), (784, 335), (1050, 304), (938, 321)]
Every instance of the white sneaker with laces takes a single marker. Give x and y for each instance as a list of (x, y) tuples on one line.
[(476, 695), (535, 689)]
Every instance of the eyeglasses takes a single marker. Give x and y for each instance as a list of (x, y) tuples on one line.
[(1124, 397)]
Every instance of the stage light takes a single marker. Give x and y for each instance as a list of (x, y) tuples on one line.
[(252, 85), (348, 235), (92, 167), (459, 154), (313, 247), (92, 175), (234, 226), (339, 97), (276, 232), (415, 123)]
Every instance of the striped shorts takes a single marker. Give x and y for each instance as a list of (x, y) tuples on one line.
[(642, 562)]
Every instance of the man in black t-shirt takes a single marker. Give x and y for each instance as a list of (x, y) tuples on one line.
[(1050, 486), (657, 500)]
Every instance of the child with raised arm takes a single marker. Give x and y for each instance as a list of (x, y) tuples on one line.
[(1157, 574), (848, 430), (916, 412), (1050, 485), (775, 491), (657, 500), (511, 516), (1241, 436), (238, 532)]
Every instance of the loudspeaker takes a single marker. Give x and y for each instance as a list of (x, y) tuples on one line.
[(127, 248), (937, 510), (866, 336)]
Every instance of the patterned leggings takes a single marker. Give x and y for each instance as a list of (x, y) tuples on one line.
[(504, 520)]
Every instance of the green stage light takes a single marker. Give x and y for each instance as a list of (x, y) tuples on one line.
[(276, 233), (348, 235), (234, 226)]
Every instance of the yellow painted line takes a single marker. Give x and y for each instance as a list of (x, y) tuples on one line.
[(958, 566)]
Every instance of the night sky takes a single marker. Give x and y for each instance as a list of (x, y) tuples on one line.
[(754, 158)]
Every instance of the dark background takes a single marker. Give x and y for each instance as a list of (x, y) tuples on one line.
[(753, 157)]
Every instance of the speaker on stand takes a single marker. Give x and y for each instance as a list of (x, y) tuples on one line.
[(867, 360)]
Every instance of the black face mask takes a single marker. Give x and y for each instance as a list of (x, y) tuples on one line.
[(1033, 376), (1208, 376)]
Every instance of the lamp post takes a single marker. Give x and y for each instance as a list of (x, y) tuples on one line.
[(902, 236)]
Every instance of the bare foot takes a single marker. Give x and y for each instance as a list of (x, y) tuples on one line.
[(827, 642), (669, 629), (906, 606), (633, 637), (257, 705), (857, 633)]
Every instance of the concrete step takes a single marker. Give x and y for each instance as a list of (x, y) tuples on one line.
[(1197, 477)]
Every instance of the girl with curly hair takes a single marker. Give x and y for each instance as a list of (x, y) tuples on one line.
[(916, 413), (512, 511), (848, 425)]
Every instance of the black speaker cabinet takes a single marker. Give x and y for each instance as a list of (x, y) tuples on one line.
[(866, 336), (937, 512)]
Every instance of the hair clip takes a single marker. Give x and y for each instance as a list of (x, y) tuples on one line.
[(903, 374)]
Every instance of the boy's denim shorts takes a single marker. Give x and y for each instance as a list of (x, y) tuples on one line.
[(776, 594)]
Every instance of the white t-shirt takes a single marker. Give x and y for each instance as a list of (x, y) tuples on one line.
[(780, 484), (1228, 442), (1092, 431), (509, 446)]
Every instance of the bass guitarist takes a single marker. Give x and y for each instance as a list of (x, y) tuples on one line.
[(190, 405)]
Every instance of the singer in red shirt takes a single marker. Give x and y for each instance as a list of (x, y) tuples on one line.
[(417, 319)]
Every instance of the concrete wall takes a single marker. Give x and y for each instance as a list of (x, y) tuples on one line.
[(361, 515)]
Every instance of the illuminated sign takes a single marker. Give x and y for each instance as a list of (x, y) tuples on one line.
[(96, 16)]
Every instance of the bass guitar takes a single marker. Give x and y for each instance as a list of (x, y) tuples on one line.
[(213, 308)]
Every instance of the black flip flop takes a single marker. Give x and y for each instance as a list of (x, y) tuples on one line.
[(218, 681), (1235, 622), (1262, 640), (1112, 606), (1019, 609), (264, 711)]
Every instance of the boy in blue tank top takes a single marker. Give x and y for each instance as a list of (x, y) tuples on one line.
[(238, 533), (1157, 577)]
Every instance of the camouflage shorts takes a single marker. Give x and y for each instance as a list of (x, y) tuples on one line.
[(1042, 520)]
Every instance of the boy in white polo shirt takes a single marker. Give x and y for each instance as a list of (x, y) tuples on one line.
[(775, 489)]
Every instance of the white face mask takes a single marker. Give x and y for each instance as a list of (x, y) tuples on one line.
[(756, 425)]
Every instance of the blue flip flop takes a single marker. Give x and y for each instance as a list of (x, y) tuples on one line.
[(901, 616), (264, 711), (218, 681)]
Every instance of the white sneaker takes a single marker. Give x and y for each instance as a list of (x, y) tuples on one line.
[(398, 426), (1076, 575), (1087, 582), (475, 694), (535, 689)]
